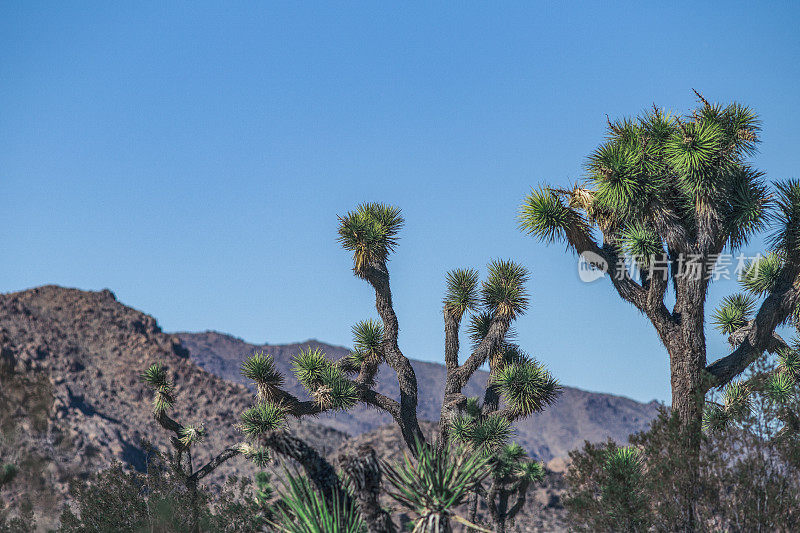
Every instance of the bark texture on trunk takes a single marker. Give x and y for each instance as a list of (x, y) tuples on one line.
[(365, 475)]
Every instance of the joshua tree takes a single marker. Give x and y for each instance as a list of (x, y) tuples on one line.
[(670, 194), (518, 387)]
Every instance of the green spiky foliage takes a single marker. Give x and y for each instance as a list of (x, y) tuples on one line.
[(192, 434), (780, 387), (461, 294), (370, 232), (305, 510), (484, 434), (734, 407), (478, 328), (262, 418), (434, 484), (760, 275), (328, 384), (786, 239), (156, 378), (734, 312), (526, 386), (308, 366), (367, 339), (260, 368), (622, 492), (503, 292), (259, 455), (8, 472), (641, 243)]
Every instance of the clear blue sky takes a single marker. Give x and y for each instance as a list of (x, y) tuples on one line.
[(193, 157)]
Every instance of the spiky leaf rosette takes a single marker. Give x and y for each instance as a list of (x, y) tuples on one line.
[(262, 418), (156, 378), (367, 337), (544, 215), (786, 239), (438, 481), (192, 434), (641, 243), (508, 460), (259, 455), (463, 428), (625, 463), (749, 204), (531, 471), (526, 387), (461, 294), (760, 275), (715, 418), (305, 510), (734, 312), (260, 367), (780, 387), (478, 328), (504, 292), (490, 433), (334, 390), (370, 232), (789, 362), (736, 399), (308, 366)]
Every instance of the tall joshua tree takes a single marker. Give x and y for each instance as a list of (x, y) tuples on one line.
[(670, 194), (518, 387)]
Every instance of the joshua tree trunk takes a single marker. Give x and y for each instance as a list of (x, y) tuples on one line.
[(365, 475)]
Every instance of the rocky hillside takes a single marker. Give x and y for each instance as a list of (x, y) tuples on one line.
[(579, 415), (72, 401)]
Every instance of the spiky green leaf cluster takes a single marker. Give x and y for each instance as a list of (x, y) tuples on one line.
[(192, 434), (367, 337), (503, 292), (641, 243), (259, 455), (736, 403), (527, 387), (544, 215), (625, 463), (780, 387), (512, 462), (327, 383), (438, 480), (260, 368), (305, 510), (156, 378), (715, 418), (734, 312), (308, 366), (786, 239), (760, 275), (485, 434), (789, 362), (8, 472), (461, 294), (262, 418), (370, 232)]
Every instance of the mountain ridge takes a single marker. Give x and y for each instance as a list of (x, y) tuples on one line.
[(578, 415)]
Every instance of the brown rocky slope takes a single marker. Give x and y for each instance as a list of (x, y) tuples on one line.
[(71, 400)]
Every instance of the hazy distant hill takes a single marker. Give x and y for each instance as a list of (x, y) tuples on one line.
[(578, 415)]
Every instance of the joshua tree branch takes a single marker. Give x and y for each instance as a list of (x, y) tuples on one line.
[(758, 336), (212, 465), (378, 277)]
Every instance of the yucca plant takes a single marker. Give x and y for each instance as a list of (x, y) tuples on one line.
[(303, 509), (513, 472), (669, 194), (434, 483)]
